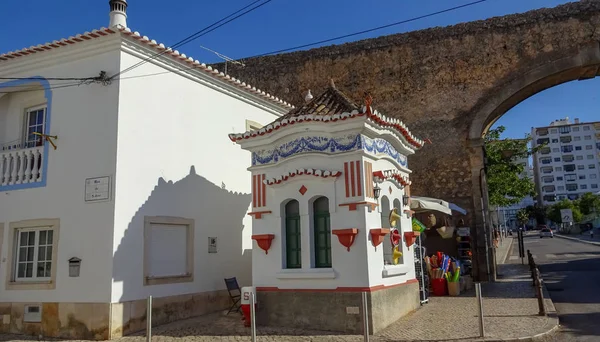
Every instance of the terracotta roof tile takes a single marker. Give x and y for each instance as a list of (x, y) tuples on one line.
[(189, 62)]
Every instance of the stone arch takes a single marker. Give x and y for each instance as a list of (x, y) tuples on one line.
[(583, 64)]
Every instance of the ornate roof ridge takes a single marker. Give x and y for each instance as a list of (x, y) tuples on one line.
[(125, 31), (378, 119)]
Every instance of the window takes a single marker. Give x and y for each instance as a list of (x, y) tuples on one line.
[(571, 187), (575, 129), (593, 176), (571, 177), (586, 128), (577, 139), (587, 137), (560, 188), (581, 167), (583, 186), (559, 178), (569, 167), (553, 131), (556, 149), (590, 156), (589, 147), (168, 250), (591, 166), (322, 233), (581, 176), (554, 141), (33, 256), (564, 129), (567, 148), (555, 159), (594, 186), (577, 148), (558, 168), (293, 251), (35, 119), (579, 157)]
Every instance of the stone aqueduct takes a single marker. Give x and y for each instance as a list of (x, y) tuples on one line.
[(448, 84)]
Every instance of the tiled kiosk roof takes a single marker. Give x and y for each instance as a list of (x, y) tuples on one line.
[(329, 107), (189, 62)]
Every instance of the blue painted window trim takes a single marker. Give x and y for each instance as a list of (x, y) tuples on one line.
[(48, 95)]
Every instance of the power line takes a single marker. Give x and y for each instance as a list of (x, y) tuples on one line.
[(371, 30), (198, 34), (47, 78)]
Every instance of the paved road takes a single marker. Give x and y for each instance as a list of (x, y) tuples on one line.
[(571, 271)]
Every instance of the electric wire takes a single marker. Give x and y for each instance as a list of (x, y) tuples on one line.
[(197, 35), (369, 30), (278, 51)]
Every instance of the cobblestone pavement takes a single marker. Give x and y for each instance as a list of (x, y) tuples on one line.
[(510, 311)]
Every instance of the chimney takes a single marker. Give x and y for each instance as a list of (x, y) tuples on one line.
[(576, 120)]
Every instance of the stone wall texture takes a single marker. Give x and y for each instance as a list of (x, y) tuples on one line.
[(435, 80)]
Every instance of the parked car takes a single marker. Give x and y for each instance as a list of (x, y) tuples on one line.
[(546, 232)]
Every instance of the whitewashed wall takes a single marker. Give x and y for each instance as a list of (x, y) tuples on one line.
[(167, 124), (84, 118)]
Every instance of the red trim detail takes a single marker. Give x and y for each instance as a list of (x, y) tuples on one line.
[(346, 236), (264, 241), (353, 206), (410, 238), (338, 289), (253, 191), (358, 178), (346, 179), (377, 235), (264, 191), (352, 179), (258, 214)]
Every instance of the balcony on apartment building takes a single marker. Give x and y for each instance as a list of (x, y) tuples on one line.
[(542, 141), (545, 160), (597, 126), (571, 187), (566, 148), (546, 169), (548, 179), (548, 188), (565, 139), (23, 120), (569, 167), (568, 158), (545, 150), (542, 132), (549, 198)]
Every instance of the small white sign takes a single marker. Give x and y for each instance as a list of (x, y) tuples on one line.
[(566, 215), (212, 245), (352, 310), (97, 189)]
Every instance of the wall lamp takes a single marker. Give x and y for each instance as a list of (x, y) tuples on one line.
[(405, 200), (376, 191)]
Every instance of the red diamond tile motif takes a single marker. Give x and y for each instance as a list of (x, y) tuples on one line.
[(303, 190)]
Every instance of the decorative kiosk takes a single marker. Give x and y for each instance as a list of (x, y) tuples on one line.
[(321, 234)]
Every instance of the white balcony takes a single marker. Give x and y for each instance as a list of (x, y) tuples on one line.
[(21, 166)]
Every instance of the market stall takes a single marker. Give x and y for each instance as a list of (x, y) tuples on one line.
[(445, 246)]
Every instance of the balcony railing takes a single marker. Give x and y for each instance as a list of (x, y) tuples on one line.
[(21, 166)]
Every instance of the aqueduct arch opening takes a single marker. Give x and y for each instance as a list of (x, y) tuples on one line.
[(583, 64), (448, 84)]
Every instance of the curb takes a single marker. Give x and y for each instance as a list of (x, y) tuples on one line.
[(578, 240), (509, 250)]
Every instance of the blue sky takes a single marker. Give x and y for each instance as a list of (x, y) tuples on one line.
[(283, 24)]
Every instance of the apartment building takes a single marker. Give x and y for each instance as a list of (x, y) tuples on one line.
[(568, 164)]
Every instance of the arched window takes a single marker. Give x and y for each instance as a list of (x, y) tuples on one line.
[(293, 256), (398, 205), (322, 233), (385, 223)]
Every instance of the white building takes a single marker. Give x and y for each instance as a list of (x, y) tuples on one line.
[(323, 235), (569, 165), (143, 190)]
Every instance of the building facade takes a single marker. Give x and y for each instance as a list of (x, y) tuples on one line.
[(320, 224), (116, 188), (568, 164)]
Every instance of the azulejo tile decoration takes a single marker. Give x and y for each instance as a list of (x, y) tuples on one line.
[(382, 146), (345, 143)]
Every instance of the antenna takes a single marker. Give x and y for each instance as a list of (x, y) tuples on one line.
[(225, 58)]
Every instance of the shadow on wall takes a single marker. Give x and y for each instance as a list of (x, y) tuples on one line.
[(216, 213)]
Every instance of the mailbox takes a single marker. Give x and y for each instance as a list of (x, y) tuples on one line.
[(74, 267)]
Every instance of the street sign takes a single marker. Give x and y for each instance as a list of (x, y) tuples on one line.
[(566, 215)]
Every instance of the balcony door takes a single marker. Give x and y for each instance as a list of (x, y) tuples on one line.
[(35, 121)]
